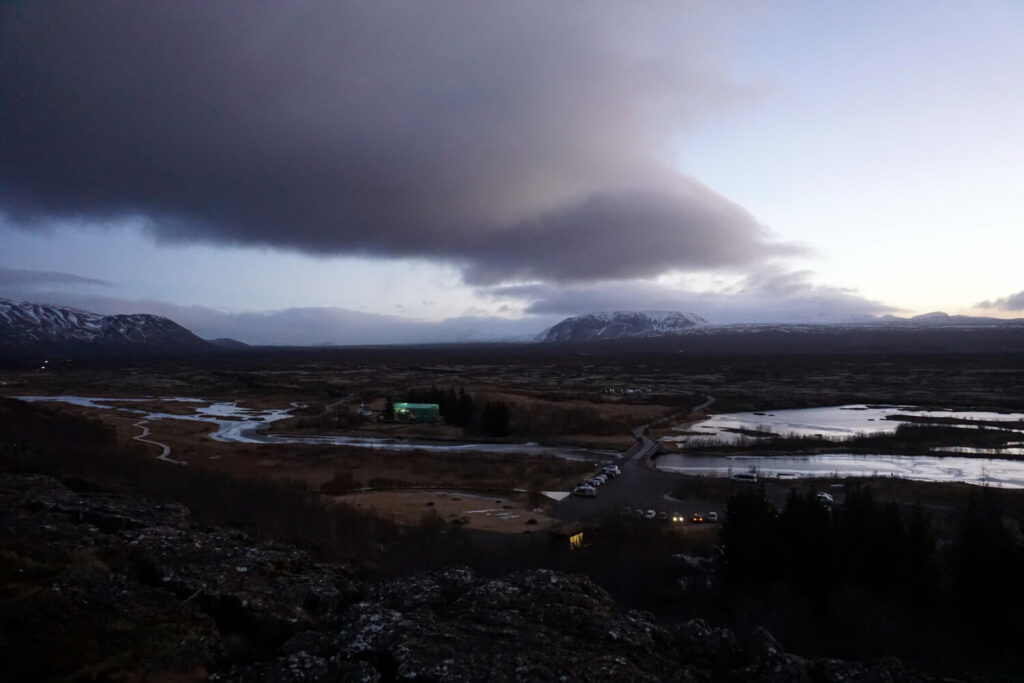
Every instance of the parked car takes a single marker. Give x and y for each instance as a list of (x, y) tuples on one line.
[(824, 498), (649, 514), (585, 491), (626, 511), (603, 478), (697, 518), (594, 481), (712, 517), (662, 516), (611, 470)]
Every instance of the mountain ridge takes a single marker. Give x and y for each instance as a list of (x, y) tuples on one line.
[(29, 329), (620, 325)]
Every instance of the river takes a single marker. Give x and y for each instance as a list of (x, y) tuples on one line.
[(237, 424)]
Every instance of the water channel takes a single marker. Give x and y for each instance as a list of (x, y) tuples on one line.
[(245, 425), (236, 424), (841, 421)]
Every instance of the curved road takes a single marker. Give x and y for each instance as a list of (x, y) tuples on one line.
[(639, 485)]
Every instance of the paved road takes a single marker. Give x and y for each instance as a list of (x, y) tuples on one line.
[(639, 485)]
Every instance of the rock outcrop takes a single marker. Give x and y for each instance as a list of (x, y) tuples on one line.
[(104, 586)]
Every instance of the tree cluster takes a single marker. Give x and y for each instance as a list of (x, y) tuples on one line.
[(456, 407), (494, 418), (868, 578), (810, 546), (460, 409)]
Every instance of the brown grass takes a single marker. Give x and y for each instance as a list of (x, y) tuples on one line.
[(504, 514), (314, 466)]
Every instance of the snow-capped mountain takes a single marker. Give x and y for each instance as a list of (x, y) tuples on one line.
[(621, 325), (28, 329)]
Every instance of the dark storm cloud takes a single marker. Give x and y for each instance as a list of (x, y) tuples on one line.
[(517, 140), (773, 295), (1013, 302), (18, 278)]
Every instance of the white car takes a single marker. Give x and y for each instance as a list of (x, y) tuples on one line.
[(712, 517), (650, 514), (611, 470), (584, 491)]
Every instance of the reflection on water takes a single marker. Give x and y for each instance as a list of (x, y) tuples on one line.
[(991, 471), (994, 452), (838, 421), (843, 421)]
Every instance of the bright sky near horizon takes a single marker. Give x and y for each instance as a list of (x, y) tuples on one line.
[(507, 166)]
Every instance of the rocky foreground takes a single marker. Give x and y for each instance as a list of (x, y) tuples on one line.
[(99, 586)]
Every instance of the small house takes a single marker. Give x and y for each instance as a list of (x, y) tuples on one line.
[(417, 412)]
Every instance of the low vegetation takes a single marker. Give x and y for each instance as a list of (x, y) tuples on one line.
[(873, 579)]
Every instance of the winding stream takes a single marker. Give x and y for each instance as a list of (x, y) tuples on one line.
[(236, 424)]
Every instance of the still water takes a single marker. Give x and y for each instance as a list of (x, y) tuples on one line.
[(842, 421), (839, 421), (990, 471)]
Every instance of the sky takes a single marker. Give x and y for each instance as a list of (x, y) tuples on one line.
[(397, 171)]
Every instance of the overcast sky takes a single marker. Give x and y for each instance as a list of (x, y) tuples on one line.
[(302, 172)]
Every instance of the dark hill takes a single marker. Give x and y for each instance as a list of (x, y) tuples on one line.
[(29, 330), (104, 586)]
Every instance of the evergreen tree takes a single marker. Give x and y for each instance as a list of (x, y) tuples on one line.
[(495, 419), (750, 533), (805, 538), (464, 408)]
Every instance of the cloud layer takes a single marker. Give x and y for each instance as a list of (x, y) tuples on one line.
[(770, 296), (1013, 302), (773, 295), (521, 141), (16, 278)]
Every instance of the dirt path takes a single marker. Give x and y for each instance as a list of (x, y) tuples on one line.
[(165, 450), (505, 514)]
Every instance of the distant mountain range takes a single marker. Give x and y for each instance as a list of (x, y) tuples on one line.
[(621, 325), (940, 319), (37, 331), (29, 330), (641, 324), (666, 331)]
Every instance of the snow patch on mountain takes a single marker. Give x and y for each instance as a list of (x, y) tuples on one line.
[(620, 325), (27, 327)]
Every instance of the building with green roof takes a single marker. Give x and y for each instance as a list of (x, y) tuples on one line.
[(417, 412)]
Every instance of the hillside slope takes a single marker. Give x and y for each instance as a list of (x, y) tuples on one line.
[(30, 330), (620, 325)]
